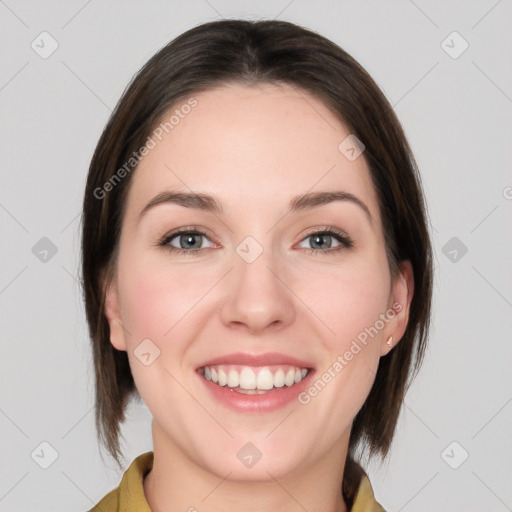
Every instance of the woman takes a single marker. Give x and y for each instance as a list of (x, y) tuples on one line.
[(257, 269)]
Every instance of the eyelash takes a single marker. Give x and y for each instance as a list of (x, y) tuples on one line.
[(345, 241)]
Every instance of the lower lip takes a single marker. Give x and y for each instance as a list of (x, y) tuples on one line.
[(267, 402)]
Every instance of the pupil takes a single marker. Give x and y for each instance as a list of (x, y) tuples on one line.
[(320, 241), (188, 239)]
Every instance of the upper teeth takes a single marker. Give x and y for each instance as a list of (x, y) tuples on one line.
[(247, 377)]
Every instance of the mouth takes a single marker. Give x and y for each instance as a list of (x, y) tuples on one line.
[(255, 383), (252, 380)]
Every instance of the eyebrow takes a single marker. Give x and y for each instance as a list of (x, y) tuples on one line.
[(208, 203)]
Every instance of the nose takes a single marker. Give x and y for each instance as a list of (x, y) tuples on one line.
[(257, 296)]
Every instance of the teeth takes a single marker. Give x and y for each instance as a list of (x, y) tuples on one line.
[(223, 378), (279, 379), (233, 379), (265, 379), (248, 379), (289, 380)]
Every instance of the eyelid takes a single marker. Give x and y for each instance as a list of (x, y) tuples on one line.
[(325, 229), (185, 230)]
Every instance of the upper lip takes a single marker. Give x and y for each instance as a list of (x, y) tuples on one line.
[(267, 359)]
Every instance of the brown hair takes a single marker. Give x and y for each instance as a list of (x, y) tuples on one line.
[(253, 52)]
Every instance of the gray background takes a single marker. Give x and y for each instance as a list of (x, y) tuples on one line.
[(456, 113)]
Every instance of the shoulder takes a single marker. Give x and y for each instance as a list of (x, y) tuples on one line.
[(129, 495), (357, 490), (108, 503)]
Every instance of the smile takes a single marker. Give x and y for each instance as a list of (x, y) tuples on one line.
[(255, 383), (254, 380)]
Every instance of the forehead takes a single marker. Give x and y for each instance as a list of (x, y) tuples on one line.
[(251, 145)]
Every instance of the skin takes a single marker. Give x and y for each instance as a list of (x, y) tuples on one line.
[(253, 149)]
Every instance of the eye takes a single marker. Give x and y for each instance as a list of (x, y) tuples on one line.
[(327, 240), (189, 240)]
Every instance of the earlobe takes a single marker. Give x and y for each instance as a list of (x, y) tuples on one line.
[(401, 297), (114, 319)]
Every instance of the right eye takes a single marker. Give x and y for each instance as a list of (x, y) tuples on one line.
[(185, 241)]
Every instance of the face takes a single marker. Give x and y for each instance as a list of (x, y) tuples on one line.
[(275, 285)]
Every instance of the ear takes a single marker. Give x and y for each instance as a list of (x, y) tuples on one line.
[(402, 291), (117, 337)]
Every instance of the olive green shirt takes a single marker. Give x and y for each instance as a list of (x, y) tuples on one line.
[(129, 495)]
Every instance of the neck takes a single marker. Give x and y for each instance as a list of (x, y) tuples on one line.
[(177, 483)]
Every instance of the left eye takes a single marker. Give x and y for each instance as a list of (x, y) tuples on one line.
[(324, 240)]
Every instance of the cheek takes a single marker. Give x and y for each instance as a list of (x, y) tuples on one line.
[(157, 296), (158, 302), (350, 304), (349, 300)]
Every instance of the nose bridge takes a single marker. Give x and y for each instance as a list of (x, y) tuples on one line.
[(256, 296), (253, 266)]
